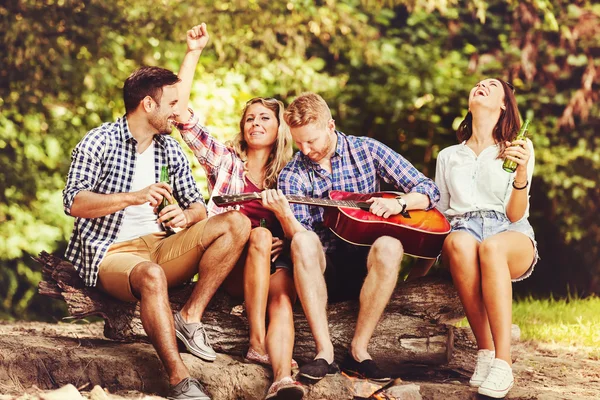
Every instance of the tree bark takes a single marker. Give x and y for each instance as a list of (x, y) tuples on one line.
[(414, 329)]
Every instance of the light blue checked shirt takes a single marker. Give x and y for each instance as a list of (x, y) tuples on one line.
[(358, 165), (104, 162)]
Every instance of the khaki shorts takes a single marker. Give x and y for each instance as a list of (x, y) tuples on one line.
[(178, 255)]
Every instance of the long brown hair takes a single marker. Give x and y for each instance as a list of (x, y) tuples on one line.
[(507, 126), (281, 153)]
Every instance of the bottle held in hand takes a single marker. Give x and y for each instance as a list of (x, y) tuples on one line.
[(510, 165), (164, 177)]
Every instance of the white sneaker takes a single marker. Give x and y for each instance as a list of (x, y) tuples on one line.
[(499, 381), (482, 368)]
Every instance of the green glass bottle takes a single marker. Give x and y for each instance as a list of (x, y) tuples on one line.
[(510, 165), (164, 177), (263, 223)]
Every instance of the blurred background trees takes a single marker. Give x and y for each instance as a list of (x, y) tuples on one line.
[(398, 70)]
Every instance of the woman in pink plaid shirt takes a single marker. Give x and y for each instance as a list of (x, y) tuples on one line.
[(251, 163)]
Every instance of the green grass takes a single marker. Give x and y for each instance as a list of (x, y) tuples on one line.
[(572, 322)]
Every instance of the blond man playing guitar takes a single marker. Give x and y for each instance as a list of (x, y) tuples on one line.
[(324, 265)]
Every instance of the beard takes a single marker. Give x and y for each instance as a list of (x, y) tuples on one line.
[(162, 123), (318, 155)]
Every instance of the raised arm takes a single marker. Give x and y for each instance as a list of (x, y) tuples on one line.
[(211, 154), (196, 40)]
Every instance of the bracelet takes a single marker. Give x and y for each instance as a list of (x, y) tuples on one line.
[(520, 188)]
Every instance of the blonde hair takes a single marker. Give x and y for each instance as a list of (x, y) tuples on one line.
[(281, 153), (308, 108)]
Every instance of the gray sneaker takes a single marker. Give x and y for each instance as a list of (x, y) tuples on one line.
[(194, 337), (187, 389)]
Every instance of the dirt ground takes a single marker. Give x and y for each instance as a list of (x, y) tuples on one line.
[(36, 358)]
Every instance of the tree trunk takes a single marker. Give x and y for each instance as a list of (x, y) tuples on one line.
[(413, 329)]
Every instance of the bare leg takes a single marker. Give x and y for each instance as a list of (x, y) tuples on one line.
[(383, 266), (503, 256), (280, 335), (256, 285), (224, 238), (149, 283), (420, 269), (309, 264), (460, 253)]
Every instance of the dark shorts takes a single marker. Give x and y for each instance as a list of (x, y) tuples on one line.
[(345, 272), (283, 261)]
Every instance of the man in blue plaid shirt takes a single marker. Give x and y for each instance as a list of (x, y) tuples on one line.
[(119, 243), (324, 265)]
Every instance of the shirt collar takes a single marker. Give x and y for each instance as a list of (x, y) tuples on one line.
[(127, 136), (124, 129), (341, 148)]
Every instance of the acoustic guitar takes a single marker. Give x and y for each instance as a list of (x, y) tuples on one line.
[(421, 233)]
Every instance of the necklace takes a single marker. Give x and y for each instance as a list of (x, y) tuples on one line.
[(257, 182)]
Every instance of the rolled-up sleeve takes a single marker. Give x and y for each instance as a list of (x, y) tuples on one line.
[(84, 171), (440, 181), (398, 171), (184, 186), (290, 183), (209, 151)]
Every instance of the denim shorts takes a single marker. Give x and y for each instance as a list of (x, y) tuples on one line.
[(483, 224)]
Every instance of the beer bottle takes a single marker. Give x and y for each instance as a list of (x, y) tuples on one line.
[(510, 165), (263, 223), (164, 177)]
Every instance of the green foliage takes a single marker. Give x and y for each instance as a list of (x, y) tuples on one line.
[(398, 70)]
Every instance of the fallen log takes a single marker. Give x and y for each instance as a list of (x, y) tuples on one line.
[(414, 329)]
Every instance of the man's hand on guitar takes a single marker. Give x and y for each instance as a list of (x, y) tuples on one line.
[(275, 201), (384, 207)]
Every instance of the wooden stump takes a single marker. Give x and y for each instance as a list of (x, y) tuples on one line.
[(413, 330)]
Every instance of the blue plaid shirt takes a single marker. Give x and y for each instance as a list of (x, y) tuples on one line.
[(104, 162), (358, 166)]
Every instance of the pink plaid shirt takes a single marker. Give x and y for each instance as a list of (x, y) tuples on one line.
[(224, 169)]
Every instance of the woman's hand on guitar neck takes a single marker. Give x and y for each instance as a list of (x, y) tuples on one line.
[(384, 207), (275, 201)]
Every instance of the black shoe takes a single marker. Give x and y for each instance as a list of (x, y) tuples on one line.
[(366, 369), (317, 369)]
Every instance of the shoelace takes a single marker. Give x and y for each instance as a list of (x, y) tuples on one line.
[(482, 363), (200, 328), (496, 375), (188, 384)]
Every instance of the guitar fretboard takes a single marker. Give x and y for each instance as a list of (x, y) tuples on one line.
[(241, 198), (323, 202)]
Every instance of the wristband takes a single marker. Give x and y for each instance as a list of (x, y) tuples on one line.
[(522, 187)]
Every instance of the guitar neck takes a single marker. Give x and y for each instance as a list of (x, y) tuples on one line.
[(325, 202), (226, 200)]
